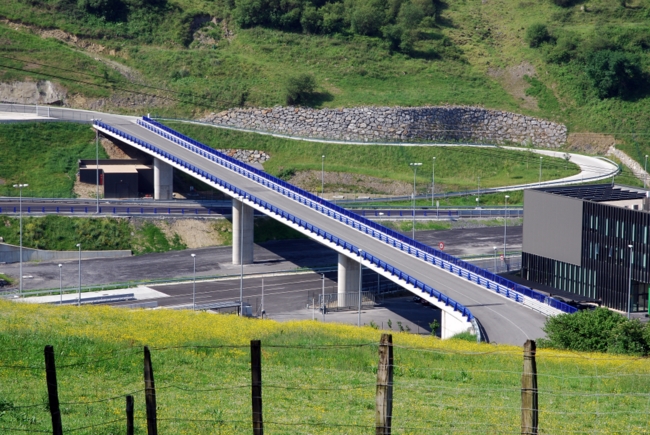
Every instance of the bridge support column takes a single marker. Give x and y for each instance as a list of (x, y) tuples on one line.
[(452, 324), (348, 278), (163, 180), (242, 215)]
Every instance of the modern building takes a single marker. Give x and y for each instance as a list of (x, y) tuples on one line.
[(589, 240), (120, 178)]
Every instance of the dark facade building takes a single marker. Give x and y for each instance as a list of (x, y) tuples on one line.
[(127, 178), (577, 239)]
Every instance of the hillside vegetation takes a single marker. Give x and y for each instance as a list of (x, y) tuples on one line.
[(317, 378)]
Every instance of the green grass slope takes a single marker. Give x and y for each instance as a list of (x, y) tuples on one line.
[(462, 52), (317, 378)]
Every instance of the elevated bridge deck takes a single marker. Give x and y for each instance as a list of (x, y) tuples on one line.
[(504, 319)]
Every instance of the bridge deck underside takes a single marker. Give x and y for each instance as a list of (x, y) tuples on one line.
[(505, 321)]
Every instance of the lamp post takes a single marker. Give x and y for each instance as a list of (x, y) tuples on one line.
[(194, 285), (645, 169), (629, 286), (241, 260), (495, 259), (97, 165), (322, 176), (505, 228), (61, 284), (433, 181), (79, 293), (478, 198), (415, 171), (20, 188), (360, 280), (540, 170), (322, 278)]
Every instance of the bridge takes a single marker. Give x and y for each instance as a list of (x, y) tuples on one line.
[(508, 312)]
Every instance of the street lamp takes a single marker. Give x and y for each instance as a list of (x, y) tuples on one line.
[(20, 188), (505, 228), (540, 170), (322, 176), (360, 276), (495, 259), (241, 260), (629, 286), (97, 164), (645, 169), (479, 189), (322, 279), (79, 294), (433, 181), (61, 283), (415, 171), (194, 285)]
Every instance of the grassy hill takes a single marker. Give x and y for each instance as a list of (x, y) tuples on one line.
[(203, 55), (317, 378)]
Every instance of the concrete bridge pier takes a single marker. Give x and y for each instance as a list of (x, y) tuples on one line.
[(242, 224), (348, 278), (163, 180)]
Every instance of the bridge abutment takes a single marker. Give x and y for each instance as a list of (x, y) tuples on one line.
[(163, 180), (243, 224), (348, 278)]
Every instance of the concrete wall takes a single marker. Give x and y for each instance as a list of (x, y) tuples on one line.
[(163, 180), (451, 123), (553, 226), (11, 254), (348, 278)]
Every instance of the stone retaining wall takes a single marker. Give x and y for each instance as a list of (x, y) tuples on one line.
[(246, 156), (452, 123)]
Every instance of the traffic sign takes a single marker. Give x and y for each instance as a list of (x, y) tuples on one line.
[(502, 257), (441, 245)]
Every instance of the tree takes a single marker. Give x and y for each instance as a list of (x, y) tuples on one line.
[(536, 35), (614, 73), (299, 88)]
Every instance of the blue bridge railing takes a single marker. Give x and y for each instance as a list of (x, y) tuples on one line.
[(472, 272), (456, 306)]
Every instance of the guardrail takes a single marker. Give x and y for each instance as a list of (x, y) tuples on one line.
[(455, 265), (457, 306)]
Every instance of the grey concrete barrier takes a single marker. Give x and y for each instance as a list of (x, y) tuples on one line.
[(11, 254)]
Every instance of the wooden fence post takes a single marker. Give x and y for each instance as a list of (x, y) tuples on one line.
[(256, 376), (529, 409), (384, 399), (129, 415), (52, 391), (149, 394)]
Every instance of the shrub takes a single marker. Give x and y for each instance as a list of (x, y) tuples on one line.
[(613, 73), (300, 88), (311, 20), (367, 19), (587, 331), (628, 338), (563, 3), (536, 35), (564, 50)]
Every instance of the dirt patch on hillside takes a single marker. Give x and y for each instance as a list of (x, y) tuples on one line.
[(512, 80), (194, 233), (591, 143), (342, 182)]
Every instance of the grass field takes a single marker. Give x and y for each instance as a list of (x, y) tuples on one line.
[(43, 155), (457, 168), (317, 378)]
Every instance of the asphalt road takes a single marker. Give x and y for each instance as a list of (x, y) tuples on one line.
[(269, 257), (473, 241)]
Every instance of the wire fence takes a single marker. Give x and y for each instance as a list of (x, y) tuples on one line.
[(347, 388)]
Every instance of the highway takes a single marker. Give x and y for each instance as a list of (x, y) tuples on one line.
[(504, 320)]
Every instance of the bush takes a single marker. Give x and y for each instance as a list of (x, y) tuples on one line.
[(300, 88), (600, 330), (614, 73), (563, 3), (536, 35)]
